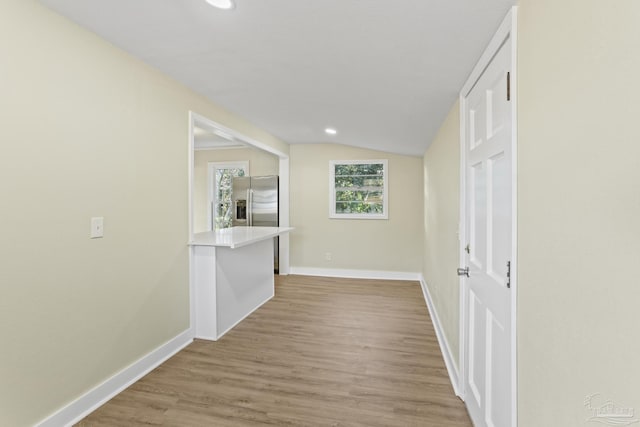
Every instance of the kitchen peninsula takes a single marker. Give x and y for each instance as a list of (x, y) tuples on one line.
[(233, 276)]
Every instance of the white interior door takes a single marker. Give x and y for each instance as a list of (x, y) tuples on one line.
[(488, 166)]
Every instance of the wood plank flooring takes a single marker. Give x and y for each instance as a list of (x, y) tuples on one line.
[(322, 352)]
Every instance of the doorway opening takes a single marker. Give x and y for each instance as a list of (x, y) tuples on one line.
[(230, 138)]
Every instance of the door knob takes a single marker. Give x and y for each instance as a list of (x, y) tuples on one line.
[(463, 271)]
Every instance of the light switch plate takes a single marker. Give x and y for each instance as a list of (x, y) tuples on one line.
[(97, 227)]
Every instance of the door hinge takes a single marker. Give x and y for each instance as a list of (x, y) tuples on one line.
[(508, 274), (467, 249), (508, 86)]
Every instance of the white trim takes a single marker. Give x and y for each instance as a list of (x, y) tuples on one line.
[(332, 190), (462, 239), (514, 215), (215, 145), (283, 219), (191, 170), (447, 355), (213, 125), (190, 177), (99, 395), (355, 274), (508, 29)]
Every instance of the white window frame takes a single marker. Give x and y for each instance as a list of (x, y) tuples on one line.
[(332, 190), (211, 180)]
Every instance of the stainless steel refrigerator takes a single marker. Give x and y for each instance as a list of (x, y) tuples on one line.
[(255, 204)]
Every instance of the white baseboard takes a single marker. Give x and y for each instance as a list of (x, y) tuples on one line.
[(449, 360), (99, 395), (355, 274)]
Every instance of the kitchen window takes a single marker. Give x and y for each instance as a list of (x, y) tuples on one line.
[(221, 176), (358, 189)]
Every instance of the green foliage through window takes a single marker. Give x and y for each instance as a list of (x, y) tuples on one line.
[(223, 212), (359, 188)]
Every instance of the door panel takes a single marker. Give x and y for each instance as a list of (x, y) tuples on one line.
[(497, 108), (477, 121), (499, 234), (478, 228), (497, 375), (476, 335)]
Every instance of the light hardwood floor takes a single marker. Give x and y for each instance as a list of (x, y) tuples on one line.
[(322, 352)]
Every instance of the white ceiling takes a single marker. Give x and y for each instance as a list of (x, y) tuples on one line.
[(383, 73)]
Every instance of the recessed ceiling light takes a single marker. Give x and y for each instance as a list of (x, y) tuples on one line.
[(221, 4), (331, 131)]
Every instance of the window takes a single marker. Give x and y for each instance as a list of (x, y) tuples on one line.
[(220, 179), (358, 189)]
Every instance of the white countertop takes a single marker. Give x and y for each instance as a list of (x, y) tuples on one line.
[(236, 237)]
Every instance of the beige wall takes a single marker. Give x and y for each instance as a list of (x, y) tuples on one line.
[(578, 207), (87, 131), (578, 210), (260, 163), (441, 217), (386, 245)]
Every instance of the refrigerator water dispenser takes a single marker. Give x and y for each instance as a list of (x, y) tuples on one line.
[(241, 211)]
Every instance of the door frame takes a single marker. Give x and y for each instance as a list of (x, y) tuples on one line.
[(507, 30)]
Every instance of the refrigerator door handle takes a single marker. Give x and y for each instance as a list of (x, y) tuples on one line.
[(250, 207)]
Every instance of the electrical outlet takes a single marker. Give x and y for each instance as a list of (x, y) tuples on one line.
[(327, 256), (97, 227)]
